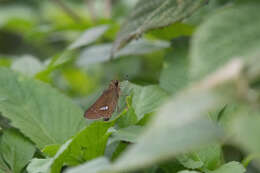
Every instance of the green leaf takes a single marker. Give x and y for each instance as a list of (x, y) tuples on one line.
[(129, 118), (16, 150), (231, 167), (211, 156), (142, 46), (201, 14), (173, 31), (101, 53), (152, 14), (94, 54), (51, 150), (147, 99), (39, 166), (208, 158), (191, 161), (39, 111), (128, 134), (174, 75), (174, 130), (89, 36), (229, 33), (93, 166), (3, 167), (28, 65), (84, 146), (143, 100), (245, 127)]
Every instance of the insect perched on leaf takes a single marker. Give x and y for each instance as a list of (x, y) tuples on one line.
[(105, 104)]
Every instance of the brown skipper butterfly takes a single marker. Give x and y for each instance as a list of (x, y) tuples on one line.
[(105, 104)]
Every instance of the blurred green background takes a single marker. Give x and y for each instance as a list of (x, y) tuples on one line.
[(35, 33)]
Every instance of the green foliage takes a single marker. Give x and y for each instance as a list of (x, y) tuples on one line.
[(16, 151), (239, 41), (40, 112), (175, 74), (207, 158), (128, 134), (230, 167), (188, 88), (148, 15), (86, 145), (93, 166)]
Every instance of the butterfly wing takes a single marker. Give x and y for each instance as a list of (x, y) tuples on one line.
[(104, 106)]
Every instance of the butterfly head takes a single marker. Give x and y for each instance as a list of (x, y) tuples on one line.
[(114, 84)]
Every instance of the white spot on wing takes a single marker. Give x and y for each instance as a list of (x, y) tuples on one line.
[(104, 108)]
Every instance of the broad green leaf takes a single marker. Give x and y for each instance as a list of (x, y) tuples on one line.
[(173, 131), (147, 99), (152, 14), (51, 150), (231, 167), (173, 31), (4, 122), (128, 134), (174, 75), (191, 161), (208, 158), (211, 156), (188, 171), (94, 54), (129, 118), (84, 146), (3, 167), (93, 166), (28, 65), (142, 46), (39, 111), (201, 14), (245, 127), (16, 150), (39, 166), (89, 36), (143, 100), (229, 33), (101, 53)]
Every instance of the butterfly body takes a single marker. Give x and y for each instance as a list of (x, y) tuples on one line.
[(106, 104)]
